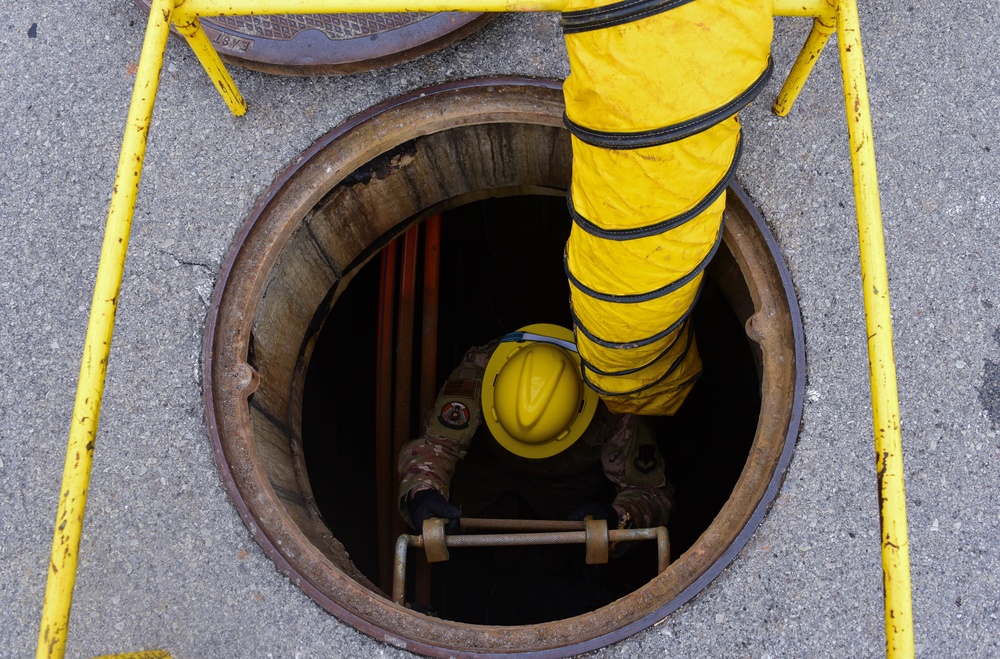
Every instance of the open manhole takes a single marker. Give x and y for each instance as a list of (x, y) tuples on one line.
[(474, 174)]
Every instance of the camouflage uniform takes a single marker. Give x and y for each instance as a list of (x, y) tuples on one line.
[(616, 456)]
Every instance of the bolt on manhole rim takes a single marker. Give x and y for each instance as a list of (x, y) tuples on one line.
[(258, 445)]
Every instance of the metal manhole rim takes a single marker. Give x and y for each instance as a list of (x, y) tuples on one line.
[(274, 553)]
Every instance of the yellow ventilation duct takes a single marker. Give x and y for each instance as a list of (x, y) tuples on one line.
[(651, 103)]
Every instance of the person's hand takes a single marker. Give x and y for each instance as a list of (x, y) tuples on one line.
[(596, 510), (429, 503)]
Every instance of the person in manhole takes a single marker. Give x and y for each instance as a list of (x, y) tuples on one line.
[(549, 448)]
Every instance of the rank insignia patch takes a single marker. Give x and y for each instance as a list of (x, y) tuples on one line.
[(455, 415)]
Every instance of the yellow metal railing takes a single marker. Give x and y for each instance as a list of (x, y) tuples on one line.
[(97, 345), (881, 361), (830, 16)]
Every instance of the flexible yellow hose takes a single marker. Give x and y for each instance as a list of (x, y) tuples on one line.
[(651, 101)]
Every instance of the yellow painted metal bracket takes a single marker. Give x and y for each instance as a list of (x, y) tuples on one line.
[(824, 13), (190, 28), (829, 16)]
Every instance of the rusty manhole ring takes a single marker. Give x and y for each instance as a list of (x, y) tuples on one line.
[(299, 249), (327, 44)]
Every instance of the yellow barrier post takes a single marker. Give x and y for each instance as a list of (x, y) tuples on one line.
[(97, 345), (881, 363)]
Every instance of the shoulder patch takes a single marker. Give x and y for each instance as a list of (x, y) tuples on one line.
[(455, 415), (645, 459)]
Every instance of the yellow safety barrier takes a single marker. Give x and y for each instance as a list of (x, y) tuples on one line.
[(829, 16)]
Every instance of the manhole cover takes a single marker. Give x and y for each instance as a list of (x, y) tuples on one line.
[(324, 44)]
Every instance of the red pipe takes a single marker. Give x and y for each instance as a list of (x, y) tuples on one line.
[(429, 336), (385, 476)]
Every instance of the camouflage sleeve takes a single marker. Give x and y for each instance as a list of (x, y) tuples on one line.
[(633, 462), (430, 460)]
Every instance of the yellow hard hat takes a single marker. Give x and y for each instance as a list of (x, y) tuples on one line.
[(534, 399)]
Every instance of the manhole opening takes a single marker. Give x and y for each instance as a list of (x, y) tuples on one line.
[(289, 343), (500, 268)]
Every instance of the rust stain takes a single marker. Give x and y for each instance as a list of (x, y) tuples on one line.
[(383, 165), (132, 68), (880, 476)]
